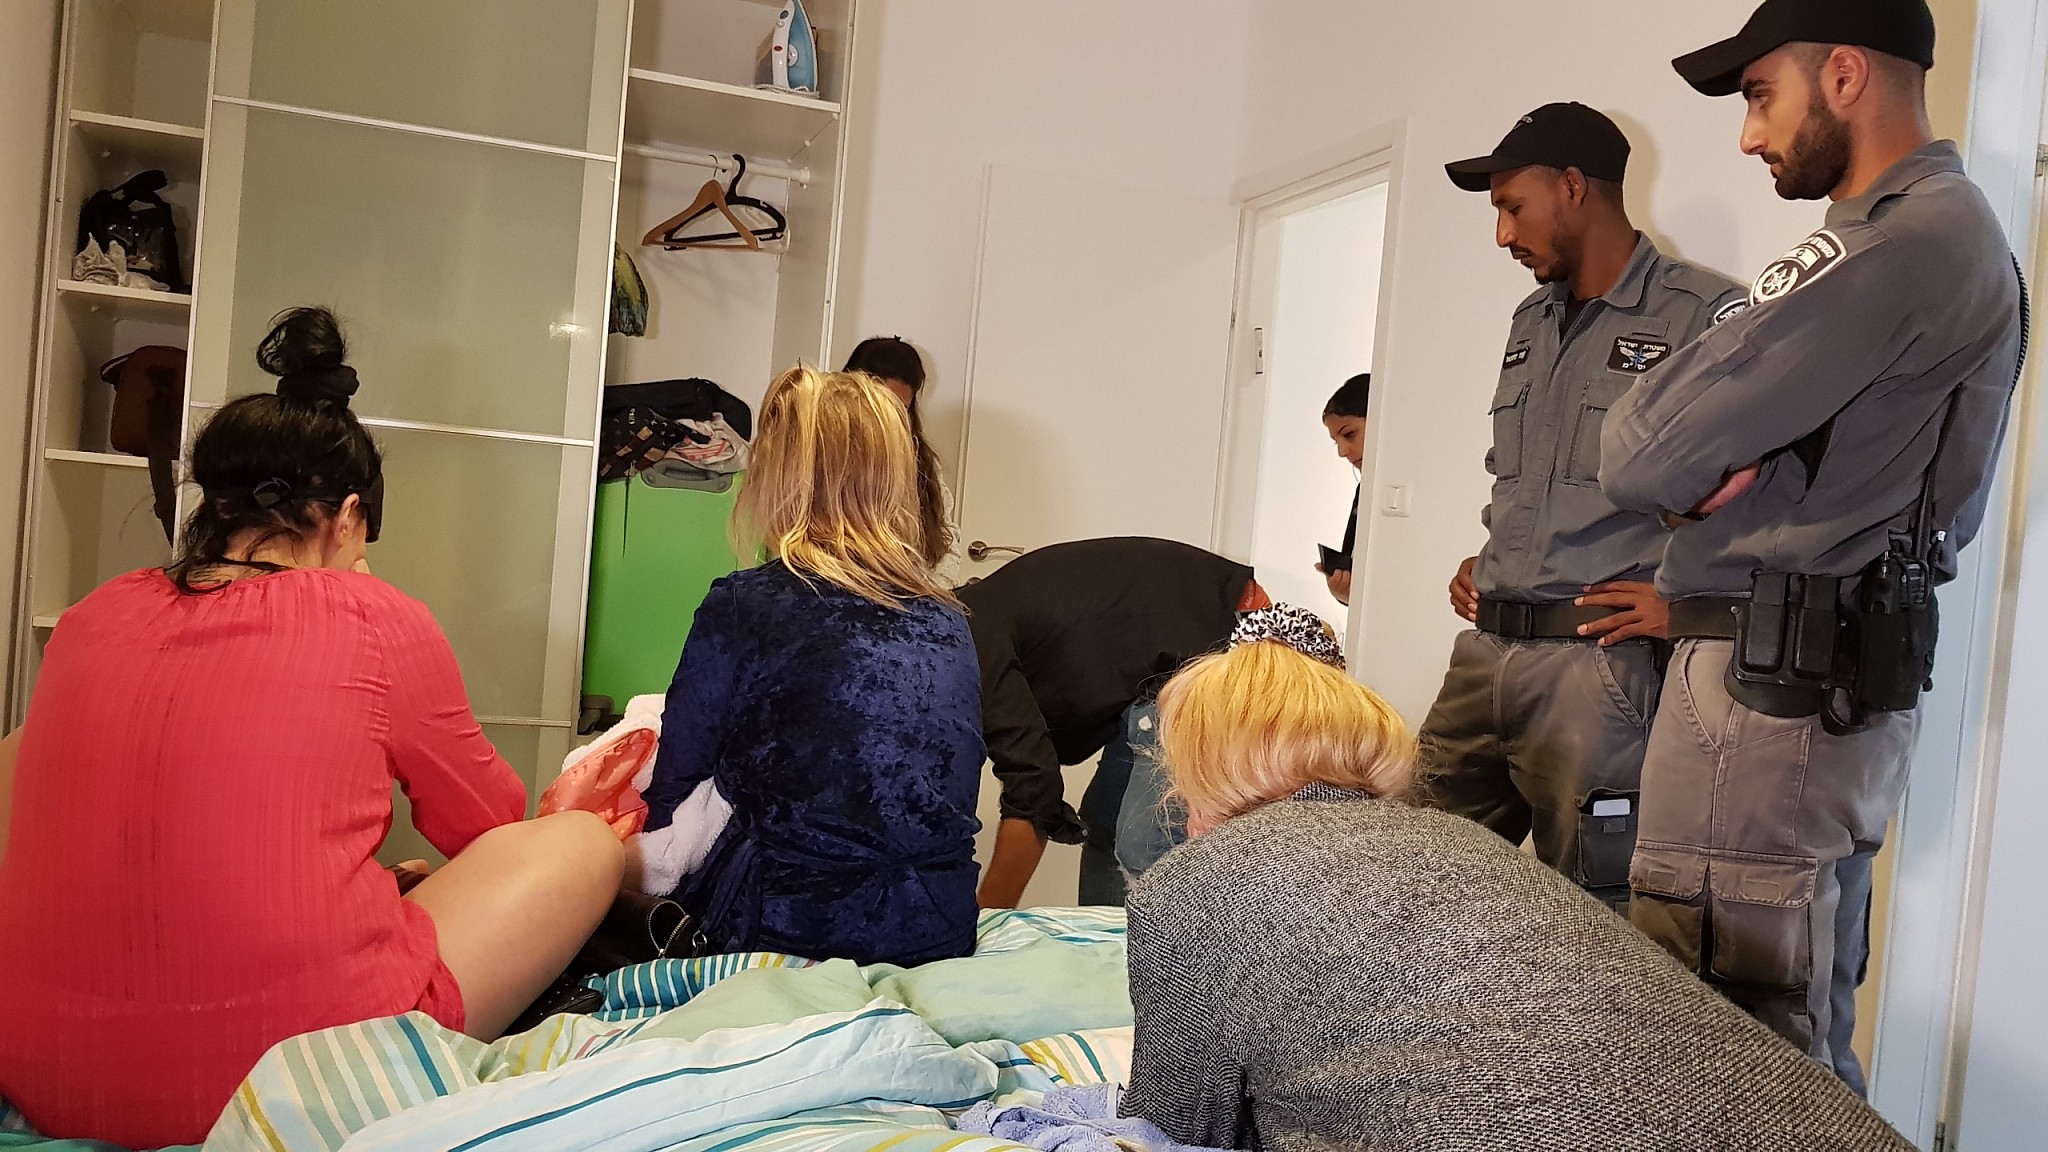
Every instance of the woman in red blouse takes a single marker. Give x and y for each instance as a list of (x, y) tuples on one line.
[(204, 780)]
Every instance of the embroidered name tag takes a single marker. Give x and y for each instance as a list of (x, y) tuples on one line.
[(1518, 357), (1814, 258), (1637, 355), (1729, 311)]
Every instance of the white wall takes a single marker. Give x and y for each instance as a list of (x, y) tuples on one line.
[(28, 53), (1324, 71), (1140, 95), (1321, 335)]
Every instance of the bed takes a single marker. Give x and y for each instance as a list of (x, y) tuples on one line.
[(757, 1051)]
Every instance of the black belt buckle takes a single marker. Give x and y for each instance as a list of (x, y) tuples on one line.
[(1513, 620)]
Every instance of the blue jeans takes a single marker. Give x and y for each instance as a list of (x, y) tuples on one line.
[(1149, 825), (1121, 808)]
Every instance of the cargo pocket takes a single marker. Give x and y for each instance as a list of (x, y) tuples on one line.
[(1668, 885), (1510, 404), (1607, 839), (1763, 936), (1583, 465)]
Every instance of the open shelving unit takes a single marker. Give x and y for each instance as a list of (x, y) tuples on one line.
[(132, 97), (662, 109), (422, 156), (691, 106)]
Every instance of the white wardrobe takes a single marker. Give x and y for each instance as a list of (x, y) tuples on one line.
[(450, 176)]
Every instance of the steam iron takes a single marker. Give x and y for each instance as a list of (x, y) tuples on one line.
[(789, 60)]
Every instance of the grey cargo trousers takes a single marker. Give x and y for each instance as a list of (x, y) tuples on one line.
[(1745, 818), (1530, 737)]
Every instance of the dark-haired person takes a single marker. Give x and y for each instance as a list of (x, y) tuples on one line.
[(1541, 723), (896, 363), (205, 777), (1834, 441), (1344, 419), (1074, 641)]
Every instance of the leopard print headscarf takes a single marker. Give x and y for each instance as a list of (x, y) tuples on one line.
[(1298, 628)]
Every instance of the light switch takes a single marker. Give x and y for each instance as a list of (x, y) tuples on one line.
[(1394, 500)]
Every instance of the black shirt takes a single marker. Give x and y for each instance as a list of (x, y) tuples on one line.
[(1069, 637), (1351, 525), (1572, 308)]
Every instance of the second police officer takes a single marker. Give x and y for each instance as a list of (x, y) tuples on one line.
[(1824, 455)]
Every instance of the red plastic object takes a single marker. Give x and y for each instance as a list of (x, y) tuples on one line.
[(602, 782)]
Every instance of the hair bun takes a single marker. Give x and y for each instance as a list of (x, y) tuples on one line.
[(305, 351), (303, 342), (330, 389)]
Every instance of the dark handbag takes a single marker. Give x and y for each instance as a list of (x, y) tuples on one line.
[(638, 929), (149, 409), (140, 221), (641, 422)]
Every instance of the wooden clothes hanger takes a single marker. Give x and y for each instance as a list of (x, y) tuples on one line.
[(710, 198), (722, 201)]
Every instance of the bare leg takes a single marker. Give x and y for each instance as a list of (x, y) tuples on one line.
[(513, 908)]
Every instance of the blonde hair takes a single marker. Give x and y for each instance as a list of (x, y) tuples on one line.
[(832, 488), (1261, 722)]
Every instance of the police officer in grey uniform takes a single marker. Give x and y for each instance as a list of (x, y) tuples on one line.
[(1541, 723), (1824, 454)]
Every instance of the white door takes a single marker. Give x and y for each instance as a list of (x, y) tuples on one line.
[(1308, 301), (1320, 334), (1095, 385)]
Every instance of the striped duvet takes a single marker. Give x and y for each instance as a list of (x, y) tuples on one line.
[(665, 1066)]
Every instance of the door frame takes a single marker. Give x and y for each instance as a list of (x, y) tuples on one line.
[(1972, 722), (1372, 158)]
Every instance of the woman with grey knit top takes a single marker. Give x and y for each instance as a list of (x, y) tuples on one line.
[(1324, 966)]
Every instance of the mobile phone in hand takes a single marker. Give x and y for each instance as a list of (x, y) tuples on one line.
[(1333, 560)]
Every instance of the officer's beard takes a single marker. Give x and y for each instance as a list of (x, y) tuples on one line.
[(1818, 160)]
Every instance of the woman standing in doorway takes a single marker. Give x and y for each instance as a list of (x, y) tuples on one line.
[(1344, 416), (893, 361)]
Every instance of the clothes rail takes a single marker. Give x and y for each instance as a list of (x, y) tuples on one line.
[(719, 162)]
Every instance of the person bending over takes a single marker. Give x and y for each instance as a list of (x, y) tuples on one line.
[(205, 777), (1324, 966), (831, 697), (1074, 641)]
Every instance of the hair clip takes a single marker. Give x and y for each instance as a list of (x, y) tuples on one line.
[(271, 493)]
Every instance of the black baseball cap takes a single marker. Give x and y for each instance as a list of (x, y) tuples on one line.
[(1554, 136), (1901, 28)]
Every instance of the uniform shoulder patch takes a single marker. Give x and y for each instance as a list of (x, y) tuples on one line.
[(1729, 311), (1636, 354), (1813, 258)]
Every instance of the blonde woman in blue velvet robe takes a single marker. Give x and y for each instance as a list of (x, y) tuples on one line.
[(833, 698)]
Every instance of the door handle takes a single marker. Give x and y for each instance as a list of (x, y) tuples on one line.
[(981, 550)]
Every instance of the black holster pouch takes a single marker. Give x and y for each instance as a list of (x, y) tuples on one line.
[(1786, 642), (1798, 653)]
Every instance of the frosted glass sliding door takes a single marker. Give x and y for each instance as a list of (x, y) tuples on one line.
[(442, 175)]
